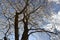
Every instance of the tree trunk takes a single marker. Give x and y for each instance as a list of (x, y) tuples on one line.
[(5, 38), (16, 27), (25, 33), (25, 21)]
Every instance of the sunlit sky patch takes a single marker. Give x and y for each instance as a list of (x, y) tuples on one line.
[(57, 1), (56, 20)]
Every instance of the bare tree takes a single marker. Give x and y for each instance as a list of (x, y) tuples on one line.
[(32, 15)]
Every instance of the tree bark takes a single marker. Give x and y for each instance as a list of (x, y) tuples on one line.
[(5, 38), (25, 21), (16, 27), (25, 33)]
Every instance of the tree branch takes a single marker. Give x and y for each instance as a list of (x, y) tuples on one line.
[(41, 30)]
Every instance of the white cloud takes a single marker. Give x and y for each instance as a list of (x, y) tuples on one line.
[(59, 13), (56, 20), (54, 0), (57, 1)]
